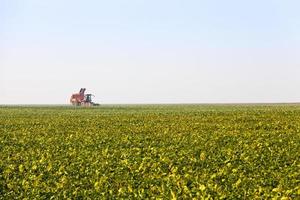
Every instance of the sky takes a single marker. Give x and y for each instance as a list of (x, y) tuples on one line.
[(142, 51)]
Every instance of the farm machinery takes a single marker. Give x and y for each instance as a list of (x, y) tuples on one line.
[(82, 99)]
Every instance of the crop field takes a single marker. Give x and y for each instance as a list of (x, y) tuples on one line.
[(150, 152)]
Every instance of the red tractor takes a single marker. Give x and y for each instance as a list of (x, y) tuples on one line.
[(82, 99)]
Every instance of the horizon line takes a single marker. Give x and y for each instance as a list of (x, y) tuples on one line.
[(195, 103)]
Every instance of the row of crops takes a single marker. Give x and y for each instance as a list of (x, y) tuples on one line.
[(145, 152)]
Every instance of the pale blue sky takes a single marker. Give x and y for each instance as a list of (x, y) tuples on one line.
[(158, 51)]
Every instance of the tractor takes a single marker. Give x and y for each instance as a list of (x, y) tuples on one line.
[(82, 99)]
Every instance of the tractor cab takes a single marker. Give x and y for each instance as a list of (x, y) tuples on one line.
[(88, 98)]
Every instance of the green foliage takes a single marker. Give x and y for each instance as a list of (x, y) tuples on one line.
[(140, 152)]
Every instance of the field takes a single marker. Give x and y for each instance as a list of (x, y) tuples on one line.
[(150, 151)]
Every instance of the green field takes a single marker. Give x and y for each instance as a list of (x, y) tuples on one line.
[(150, 151)]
